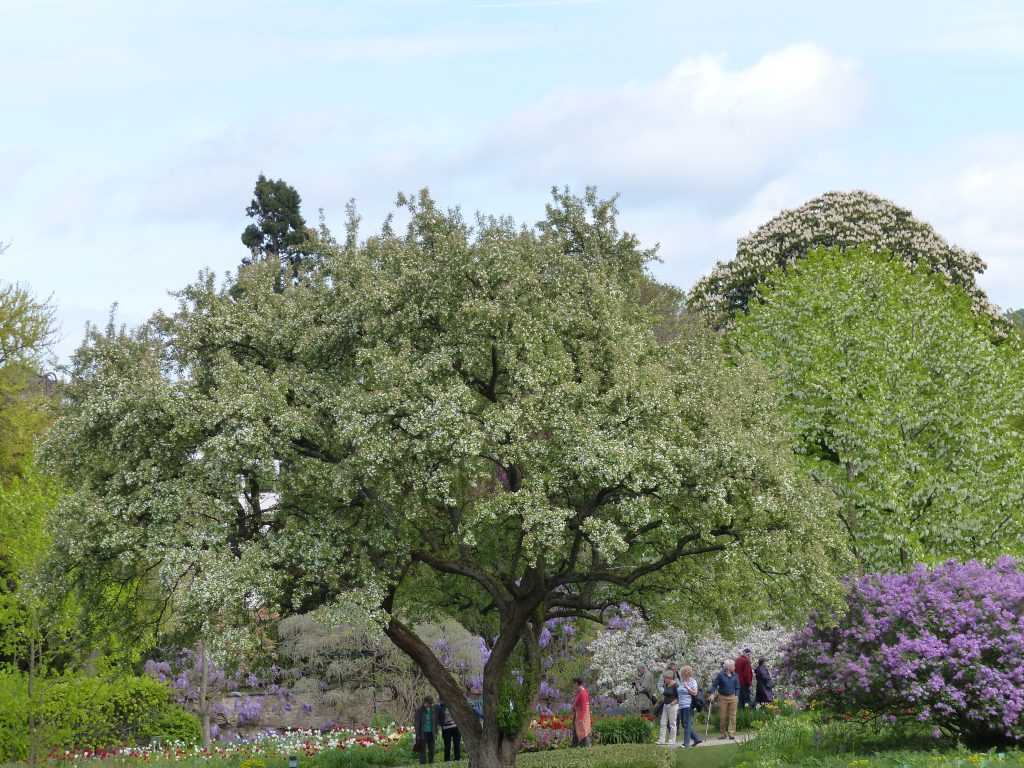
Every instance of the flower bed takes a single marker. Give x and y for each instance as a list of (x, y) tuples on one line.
[(269, 745)]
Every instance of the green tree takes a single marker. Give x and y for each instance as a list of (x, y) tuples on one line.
[(26, 330), (473, 420), (902, 404), (279, 232), (1016, 318)]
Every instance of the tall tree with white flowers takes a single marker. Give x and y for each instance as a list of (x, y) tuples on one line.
[(472, 419)]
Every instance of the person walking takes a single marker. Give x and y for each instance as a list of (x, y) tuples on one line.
[(764, 694), (726, 686), (669, 709), (581, 725), (688, 693), (450, 733), (426, 726), (745, 672)]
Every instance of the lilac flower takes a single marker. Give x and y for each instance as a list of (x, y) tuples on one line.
[(942, 645)]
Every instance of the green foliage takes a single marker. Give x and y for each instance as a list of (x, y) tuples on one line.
[(819, 740), (631, 729), (746, 718), (365, 757), (902, 404), (25, 503), (90, 712), (26, 329), (515, 697), (630, 756), (487, 403), (279, 231), (1016, 318)]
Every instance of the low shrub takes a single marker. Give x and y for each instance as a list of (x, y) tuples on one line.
[(790, 740), (77, 711), (631, 729), (746, 718)]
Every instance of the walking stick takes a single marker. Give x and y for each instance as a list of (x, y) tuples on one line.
[(707, 718)]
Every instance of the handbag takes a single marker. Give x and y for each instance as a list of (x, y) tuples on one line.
[(658, 708), (697, 702), (417, 746)]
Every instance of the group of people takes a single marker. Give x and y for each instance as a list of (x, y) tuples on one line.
[(733, 687), (680, 695), (431, 718)]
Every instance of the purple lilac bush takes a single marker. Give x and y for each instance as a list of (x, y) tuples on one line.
[(943, 646)]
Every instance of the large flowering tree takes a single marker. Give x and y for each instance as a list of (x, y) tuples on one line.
[(474, 420), (943, 646), (834, 220), (901, 402)]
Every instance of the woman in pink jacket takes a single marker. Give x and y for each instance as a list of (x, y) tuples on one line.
[(581, 716)]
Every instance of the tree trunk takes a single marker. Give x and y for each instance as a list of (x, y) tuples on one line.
[(33, 736), (494, 751), (204, 703)]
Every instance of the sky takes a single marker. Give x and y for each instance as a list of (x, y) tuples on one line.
[(131, 134)]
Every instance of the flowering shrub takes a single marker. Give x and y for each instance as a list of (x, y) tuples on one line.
[(268, 745), (548, 732), (943, 646), (836, 219)]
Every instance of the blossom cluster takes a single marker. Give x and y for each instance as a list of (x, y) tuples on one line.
[(943, 646), (836, 219), (629, 653)]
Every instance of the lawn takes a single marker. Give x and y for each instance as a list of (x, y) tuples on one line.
[(627, 756)]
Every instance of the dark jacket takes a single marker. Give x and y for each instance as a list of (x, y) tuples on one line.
[(441, 714), (671, 693), (764, 685), (419, 718)]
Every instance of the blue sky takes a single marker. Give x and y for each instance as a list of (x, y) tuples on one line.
[(131, 133)]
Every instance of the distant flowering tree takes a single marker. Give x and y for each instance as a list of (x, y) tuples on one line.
[(629, 654), (841, 220), (943, 646)]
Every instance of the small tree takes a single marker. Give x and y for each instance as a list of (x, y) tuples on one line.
[(943, 646), (279, 232), (474, 420)]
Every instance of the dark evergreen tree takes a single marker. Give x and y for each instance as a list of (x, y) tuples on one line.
[(279, 231)]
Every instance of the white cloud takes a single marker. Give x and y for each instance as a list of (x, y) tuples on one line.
[(975, 201), (703, 127)]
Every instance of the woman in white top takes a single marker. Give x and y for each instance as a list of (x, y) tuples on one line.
[(688, 690)]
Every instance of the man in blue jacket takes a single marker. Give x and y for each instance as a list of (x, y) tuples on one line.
[(726, 687)]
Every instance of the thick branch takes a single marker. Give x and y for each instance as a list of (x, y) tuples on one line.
[(490, 583)]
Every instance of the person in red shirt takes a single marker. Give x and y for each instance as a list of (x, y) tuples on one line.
[(581, 716), (745, 672)]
